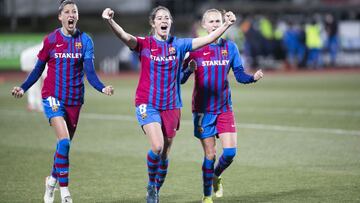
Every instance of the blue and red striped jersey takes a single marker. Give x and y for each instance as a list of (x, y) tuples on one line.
[(212, 92), (159, 83), (65, 56)]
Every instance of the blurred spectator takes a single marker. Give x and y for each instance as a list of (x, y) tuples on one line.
[(253, 44), (331, 28), (291, 41), (28, 58), (314, 44)]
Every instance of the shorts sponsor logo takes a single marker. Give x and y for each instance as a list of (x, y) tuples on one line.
[(143, 116), (54, 108), (200, 129)]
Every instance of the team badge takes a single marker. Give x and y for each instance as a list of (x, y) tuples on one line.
[(200, 129), (54, 108), (172, 50), (78, 45), (143, 116), (224, 52)]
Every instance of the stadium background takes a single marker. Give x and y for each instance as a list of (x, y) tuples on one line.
[(299, 128)]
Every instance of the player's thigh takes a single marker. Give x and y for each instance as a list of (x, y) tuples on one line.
[(154, 133), (228, 140), (209, 146), (55, 112)]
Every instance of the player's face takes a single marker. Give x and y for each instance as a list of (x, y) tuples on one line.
[(162, 24), (69, 17), (212, 21)]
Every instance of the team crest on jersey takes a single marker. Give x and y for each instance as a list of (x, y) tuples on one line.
[(78, 45), (143, 116), (200, 129), (224, 52), (54, 108), (172, 50)]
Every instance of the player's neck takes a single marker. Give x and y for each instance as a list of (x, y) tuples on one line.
[(160, 38), (67, 33)]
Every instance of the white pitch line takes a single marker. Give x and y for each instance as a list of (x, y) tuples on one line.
[(240, 125), (96, 116), (302, 111)]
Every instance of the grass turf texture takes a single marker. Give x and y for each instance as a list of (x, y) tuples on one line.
[(298, 135)]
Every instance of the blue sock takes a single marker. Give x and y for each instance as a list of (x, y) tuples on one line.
[(161, 173), (62, 162), (225, 160), (208, 175), (152, 164)]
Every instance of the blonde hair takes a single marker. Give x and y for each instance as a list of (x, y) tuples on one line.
[(212, 10), (153, 14)]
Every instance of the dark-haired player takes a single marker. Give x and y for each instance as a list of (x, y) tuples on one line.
[(69, 53), (158, 100)]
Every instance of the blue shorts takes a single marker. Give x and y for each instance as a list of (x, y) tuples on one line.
[(210, 125), (169, 119), (146, 114), (53, 108)]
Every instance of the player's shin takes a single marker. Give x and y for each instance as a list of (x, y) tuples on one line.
[(161, 173), (152, 164), (208, 174)]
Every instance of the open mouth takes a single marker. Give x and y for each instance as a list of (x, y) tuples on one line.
[(71, 22), (164, 27)]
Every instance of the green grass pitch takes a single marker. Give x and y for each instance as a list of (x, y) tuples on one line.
[(298, 135)]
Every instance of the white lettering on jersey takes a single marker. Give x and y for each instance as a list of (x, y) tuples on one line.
[(68, 55), (215, 63), (161, 58)]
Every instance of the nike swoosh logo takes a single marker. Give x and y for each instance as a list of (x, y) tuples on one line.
[(59, 45), (206, 53), (153, 49)]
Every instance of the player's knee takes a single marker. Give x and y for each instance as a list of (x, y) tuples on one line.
[(210, 154), (229, 153), (157, 149)]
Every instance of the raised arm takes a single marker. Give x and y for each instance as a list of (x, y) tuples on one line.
[(205, 40), (127, 38)]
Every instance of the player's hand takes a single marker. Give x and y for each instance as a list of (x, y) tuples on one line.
[(108, 90), (108, 14), (230, 18), (258, 75), (17, 92), (192, 65)]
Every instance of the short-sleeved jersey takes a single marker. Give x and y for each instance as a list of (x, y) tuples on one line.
[(65, 56), (212, 92), (159, 83)]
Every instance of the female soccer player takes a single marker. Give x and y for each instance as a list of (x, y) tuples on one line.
[(69, 53), (211, 104), (158, 100)]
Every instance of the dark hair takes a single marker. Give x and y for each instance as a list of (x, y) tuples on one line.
[(153, 13), (63, 3)]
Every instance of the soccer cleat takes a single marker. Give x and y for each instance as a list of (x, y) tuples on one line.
[(49, 191), (218, 186), (207, 199), (67, 199), (152, 195)]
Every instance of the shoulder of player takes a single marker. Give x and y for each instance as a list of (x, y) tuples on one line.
[(231, 44)]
